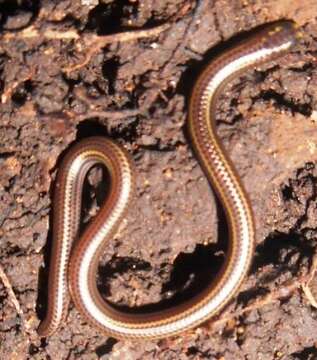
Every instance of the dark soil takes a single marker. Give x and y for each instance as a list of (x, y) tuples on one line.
[(81, 68)]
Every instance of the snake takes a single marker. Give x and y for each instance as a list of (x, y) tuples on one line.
[(74, 256)]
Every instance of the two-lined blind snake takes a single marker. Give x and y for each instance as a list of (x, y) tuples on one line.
[(77, 268)]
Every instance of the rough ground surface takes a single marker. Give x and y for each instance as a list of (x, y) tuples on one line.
[(64, 75)]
